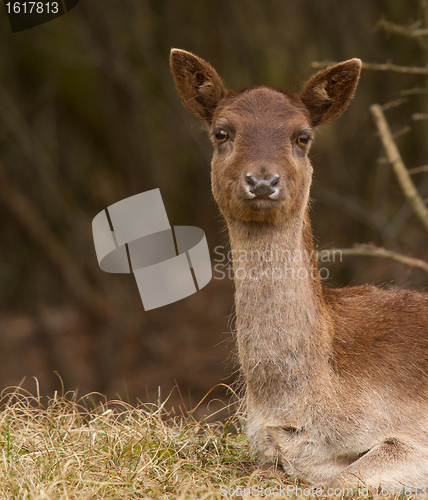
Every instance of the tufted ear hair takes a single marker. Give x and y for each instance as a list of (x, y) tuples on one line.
[(328, 93), (197, 83)]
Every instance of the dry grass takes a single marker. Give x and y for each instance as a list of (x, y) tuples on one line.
[(87, 449), (94, 449)]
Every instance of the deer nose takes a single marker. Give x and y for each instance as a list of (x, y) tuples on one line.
[(260, 187)]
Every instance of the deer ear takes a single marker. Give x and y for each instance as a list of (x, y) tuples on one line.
[(327, 93), (197, 83)]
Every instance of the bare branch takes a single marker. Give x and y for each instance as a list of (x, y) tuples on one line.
[(418, 170), (414, 70), (366, 250), (397, 29), (394, 104), (420, 116), (414, 91), (382, 161), (410, 171), (405, 130), (400, 170)]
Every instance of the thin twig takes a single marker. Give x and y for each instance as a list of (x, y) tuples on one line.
[(420, 116), (405, 130), (400, 170), (397, 29), (418, 170), (414, 91), (395, 103), (415, 70), (367, 250)]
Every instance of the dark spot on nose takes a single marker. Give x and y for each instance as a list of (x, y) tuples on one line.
[(261, 187)]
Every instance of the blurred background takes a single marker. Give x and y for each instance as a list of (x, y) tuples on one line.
[(89, 115)]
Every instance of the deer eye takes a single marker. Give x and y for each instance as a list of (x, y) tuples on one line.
[(221, 136), (303, 140)]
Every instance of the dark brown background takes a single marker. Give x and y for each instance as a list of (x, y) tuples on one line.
[(89, 116)]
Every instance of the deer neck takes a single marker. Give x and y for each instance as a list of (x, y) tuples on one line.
[(282, 326)]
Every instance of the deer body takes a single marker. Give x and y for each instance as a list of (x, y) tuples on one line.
[(336, 379)]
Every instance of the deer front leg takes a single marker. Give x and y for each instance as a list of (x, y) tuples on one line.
[(303, 458), (392, 466)]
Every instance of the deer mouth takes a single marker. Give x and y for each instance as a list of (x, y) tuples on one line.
[(261, 203), (265, 201)]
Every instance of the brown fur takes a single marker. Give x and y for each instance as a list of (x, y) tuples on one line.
[(336, 379)]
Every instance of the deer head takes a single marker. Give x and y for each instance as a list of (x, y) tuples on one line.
[(261, 170)]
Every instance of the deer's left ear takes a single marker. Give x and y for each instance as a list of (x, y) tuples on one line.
[(327, 93), (197, 83)]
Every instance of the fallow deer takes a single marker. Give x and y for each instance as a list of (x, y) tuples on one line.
[(336, 379)]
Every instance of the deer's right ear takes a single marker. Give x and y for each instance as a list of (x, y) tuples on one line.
[(197, 83), (327, 94)]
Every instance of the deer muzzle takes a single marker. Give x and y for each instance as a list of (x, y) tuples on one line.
[(261, 187)]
